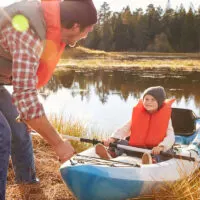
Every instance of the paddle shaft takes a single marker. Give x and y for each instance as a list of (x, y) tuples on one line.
[(165, 154), (130, 149)]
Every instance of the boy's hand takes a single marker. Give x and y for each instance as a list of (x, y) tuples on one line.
[(108, 141), (157, 150)]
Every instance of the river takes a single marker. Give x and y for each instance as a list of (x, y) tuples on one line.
[(103, 99)]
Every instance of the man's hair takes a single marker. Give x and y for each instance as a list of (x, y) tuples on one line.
[(82, 12)]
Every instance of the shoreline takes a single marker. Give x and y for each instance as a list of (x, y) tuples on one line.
[(81, 58), (164, 69)]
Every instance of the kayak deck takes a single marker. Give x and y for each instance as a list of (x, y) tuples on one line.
[(91, 155)]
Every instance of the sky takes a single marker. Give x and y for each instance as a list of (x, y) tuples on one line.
[(117, 5)]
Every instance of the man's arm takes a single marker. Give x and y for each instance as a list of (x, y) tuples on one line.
[(62, 148), (25, 48)]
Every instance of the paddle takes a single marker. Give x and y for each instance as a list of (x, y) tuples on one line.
[(129, 149)]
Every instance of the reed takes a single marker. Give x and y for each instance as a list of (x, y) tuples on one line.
[(185, 189), (81, 57), (73, 128)]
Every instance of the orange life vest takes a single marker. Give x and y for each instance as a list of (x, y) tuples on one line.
[(148, 130), (53, 45)]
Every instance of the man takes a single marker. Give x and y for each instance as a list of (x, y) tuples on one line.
[(28, 56)]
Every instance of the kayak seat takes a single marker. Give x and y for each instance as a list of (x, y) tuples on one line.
[(183, 121)]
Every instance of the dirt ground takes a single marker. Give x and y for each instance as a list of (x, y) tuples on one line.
[(51, 186)]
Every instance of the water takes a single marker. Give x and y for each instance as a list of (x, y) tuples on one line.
[(103, 100)]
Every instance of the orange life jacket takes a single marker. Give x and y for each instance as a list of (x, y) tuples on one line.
[(53, 47), (148, 130)]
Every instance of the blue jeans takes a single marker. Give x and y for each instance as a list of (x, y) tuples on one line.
[(14, 139)]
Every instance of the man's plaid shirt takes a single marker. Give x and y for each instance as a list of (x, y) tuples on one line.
[(25, 49)]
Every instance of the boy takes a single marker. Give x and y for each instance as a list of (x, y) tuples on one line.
[(150, 127)]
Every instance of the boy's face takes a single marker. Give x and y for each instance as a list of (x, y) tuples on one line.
[(150, 103), (73, 35)]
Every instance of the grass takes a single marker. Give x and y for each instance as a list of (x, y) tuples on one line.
[(51, 186), (186, 189), (72, 128), (90, 59), (81, 52), (93, 63)]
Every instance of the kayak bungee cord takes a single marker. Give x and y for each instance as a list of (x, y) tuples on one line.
[(102, 161)]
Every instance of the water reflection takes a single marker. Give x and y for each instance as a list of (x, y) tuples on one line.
[(105, 98)]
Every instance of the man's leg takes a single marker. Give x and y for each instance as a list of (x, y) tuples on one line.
[(21, 146), (5, 140)]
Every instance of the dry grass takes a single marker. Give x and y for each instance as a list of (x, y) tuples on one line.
[(186, 189), (93, 63), (189, 55), (73, 128), (86, 58), (51, 186), (81, 52)]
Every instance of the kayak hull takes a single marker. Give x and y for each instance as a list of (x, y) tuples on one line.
[(92, 178), (116, 182), (89, 182)]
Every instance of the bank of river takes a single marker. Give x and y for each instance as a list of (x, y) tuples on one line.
[(81, 58)]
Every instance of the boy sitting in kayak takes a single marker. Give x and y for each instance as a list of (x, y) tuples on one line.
[(150, 127)]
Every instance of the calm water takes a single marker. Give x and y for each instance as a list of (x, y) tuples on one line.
[(103, 100)]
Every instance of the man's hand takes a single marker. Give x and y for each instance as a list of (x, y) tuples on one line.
[(64, 150), (157, 150)]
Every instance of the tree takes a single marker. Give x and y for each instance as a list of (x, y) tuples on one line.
[(94, 38), (123, 32), (154, 26), (155, 30), (189, 34), (160, 44), (104, 13), (197, 25), (105, 27)]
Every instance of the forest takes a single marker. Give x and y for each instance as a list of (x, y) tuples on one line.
[(151, 30)]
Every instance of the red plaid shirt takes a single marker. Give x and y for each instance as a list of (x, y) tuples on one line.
[(25, 48)]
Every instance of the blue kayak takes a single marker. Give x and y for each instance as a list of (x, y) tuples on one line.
[(92, 178)]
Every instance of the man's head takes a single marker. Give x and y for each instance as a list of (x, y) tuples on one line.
[(77, 19), (153, 98)]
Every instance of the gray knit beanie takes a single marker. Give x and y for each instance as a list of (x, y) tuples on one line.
[(79, 11), (157, 92)]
